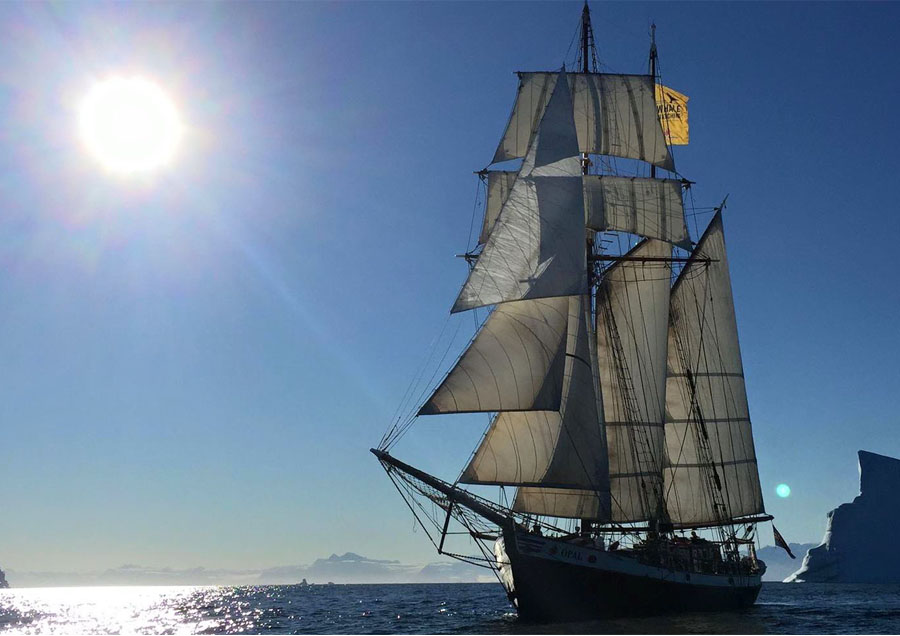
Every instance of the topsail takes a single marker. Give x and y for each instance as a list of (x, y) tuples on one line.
[(647, 207), (614, 115)]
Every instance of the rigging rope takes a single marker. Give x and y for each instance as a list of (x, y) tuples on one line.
[(401, 424)]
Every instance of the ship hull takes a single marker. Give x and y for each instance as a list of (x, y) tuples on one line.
[(550, 580)]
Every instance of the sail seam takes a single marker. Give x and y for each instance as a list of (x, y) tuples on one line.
[(724, 420), (699, 374), (733, 462), (635, 423)]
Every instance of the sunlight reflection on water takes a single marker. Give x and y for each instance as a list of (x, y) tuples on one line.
[(97, 610), (415, 609), (149, 610)]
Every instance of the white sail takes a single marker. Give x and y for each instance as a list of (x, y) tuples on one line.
[(564, 448), (536, 246), (559, 502), (516, 362), (614, 115), (499, 184), (707, 418), (632, 329), (646, 207)]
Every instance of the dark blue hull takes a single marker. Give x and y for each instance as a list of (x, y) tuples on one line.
[(549, 580)]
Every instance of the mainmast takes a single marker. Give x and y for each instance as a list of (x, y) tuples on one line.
[(587, 38), (587, 46)]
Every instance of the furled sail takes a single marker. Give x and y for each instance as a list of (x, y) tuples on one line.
[(710, 453), (499, 183), (632, 329), (516, 362), (647, 207), (535, 248), (565, 448), (614, 115)]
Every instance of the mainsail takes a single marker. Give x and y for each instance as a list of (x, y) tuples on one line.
[(711, 473), (632, 324)]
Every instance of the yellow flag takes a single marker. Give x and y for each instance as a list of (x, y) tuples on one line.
[(673, 115)]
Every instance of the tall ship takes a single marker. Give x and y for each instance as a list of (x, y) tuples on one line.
[(618, 474)]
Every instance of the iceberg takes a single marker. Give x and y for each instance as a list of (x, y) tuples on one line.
[(860, 537)]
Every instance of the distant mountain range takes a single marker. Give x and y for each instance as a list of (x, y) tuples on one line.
[(353, 568), (346, 568)]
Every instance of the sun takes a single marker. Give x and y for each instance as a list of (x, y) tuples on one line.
[(129, 125)]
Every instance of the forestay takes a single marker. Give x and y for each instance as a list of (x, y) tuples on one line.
[(516, 362), (564, 448), (632, 328), (614, 115), (708, 436), (536, 246), (646, 207)]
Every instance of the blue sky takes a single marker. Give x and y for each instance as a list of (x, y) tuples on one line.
[(195, 363)]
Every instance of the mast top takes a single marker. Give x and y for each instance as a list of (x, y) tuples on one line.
[(587, 41)]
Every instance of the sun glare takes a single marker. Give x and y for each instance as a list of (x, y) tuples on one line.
[(130, 125)]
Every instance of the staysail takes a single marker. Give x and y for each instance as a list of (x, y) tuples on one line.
[(535, 248), (711, 472), (516, 362), (614, 115), (563, 448)]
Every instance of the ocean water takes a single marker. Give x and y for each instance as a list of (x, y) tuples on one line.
[(416, 609)]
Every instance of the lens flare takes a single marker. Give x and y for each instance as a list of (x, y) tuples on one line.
[(783, 490), (130, 125)]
